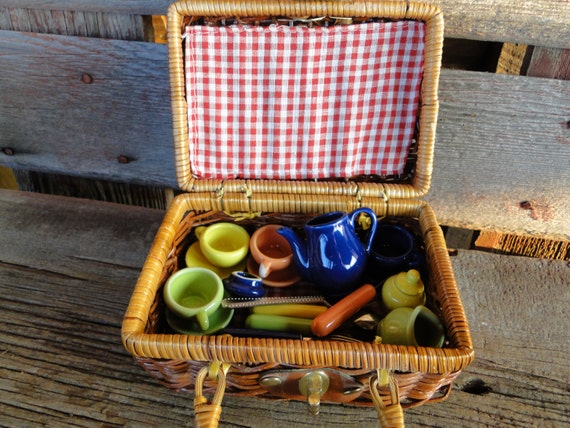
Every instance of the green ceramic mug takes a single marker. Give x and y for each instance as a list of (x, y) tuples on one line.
[(412, 326), (194, 292)]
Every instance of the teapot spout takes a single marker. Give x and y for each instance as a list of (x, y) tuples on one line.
[(299, 248)]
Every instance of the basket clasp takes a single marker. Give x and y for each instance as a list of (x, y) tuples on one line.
[(313, 385)]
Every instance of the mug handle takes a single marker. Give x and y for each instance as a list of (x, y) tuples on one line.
[(199, 231), (264, 269), (417, 260), (203, 320), (373, 223)]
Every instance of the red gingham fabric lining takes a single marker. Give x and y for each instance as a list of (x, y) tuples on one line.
[(292, 102)]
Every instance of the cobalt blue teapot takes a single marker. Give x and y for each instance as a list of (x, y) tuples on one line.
[(333, 256)]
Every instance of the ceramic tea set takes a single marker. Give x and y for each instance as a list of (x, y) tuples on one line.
[(339, 255)]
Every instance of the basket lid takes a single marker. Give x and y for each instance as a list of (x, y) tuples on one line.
[(329, 101)]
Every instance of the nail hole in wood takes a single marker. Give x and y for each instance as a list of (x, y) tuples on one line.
[(476, 387), (86, 78)]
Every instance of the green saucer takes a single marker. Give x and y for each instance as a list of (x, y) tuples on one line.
[(218, 320)]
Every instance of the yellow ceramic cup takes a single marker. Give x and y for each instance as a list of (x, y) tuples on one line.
[(194, 292), (223, 244)]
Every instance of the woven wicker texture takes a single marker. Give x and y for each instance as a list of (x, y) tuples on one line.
[(389, 415), (207, 414), (141, 327), (415, 184), (421, 374)]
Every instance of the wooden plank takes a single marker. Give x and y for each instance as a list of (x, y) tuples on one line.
[(74, 232), (512, 59), (546, 63), (68, 266), (503, 144), (504, 243), (7, 179), (80, 187), (138, 7), (527, 22), (73, 23), (72, 127), (550, 63), (501, 140), (542, 23)]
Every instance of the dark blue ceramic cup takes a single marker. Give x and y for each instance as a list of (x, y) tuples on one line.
[(393, 250)]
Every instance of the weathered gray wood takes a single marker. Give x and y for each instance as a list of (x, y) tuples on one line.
[(73, 23), (542, 23), (68, 266), (57, 123), (62, 235), (139, 7), (501, 140)]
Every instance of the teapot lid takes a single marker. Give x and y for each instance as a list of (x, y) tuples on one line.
[(410, 282)]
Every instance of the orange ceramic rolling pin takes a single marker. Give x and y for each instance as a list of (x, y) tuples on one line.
[(333, 317)]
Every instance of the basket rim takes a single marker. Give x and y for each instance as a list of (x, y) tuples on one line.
[(429, 106), (298, 352)]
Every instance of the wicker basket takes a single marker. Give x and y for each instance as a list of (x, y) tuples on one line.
[(390, 375)]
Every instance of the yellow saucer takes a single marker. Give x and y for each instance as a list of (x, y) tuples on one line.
[(195, 258)]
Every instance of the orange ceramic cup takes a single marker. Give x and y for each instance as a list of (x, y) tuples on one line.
[(270, 250)]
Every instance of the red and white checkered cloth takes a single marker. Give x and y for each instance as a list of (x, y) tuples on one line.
[(292, 102)]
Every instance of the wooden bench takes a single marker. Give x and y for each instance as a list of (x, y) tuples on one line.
[(83, 94)]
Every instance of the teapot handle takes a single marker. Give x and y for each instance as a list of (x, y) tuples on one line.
[(373, 223)]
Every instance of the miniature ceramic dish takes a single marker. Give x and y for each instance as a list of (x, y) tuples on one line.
[(279, 278), (218, 320), (195, 258)]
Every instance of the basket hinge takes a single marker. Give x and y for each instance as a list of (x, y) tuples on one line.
[(247, 190), (240, 214), (361, 193)]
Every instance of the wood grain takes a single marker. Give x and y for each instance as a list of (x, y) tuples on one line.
[(87, 24), (73, 23), (501, 140), (545, 63), (68, 266), (550, 63), (505, 243), (71, 127), (542, 22)]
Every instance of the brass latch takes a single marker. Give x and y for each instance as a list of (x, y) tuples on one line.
[(313, 385)]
